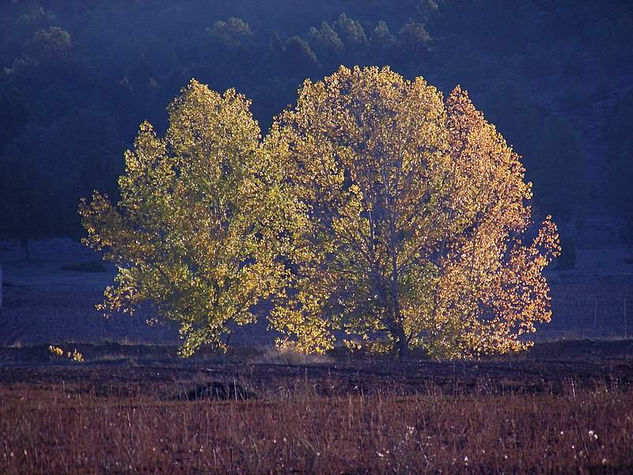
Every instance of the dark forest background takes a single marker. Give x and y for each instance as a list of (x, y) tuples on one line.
[(77, 77)]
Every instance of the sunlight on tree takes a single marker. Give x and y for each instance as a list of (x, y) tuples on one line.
[(373, 209), (420, 232), (201, 220)]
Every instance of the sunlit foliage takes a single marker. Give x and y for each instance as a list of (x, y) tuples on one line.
[(420, 232), (373, 208), (200, 223)]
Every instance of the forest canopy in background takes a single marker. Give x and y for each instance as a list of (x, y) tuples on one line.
[(78, 77)]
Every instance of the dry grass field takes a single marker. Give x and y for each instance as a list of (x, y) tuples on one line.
[(262, 413)]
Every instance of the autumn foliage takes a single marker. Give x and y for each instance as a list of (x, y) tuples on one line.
[(198, 227), (374, 209), (419, 221)]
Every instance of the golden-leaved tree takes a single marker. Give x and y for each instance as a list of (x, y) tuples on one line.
[(419, 230), (202, 221)]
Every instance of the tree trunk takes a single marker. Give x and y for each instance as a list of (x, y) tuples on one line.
[(401, 338), (401, 342)]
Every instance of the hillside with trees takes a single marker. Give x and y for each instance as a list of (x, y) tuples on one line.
[(78, 77)]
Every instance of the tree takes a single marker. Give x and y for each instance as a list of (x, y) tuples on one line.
[(326, 41), (414, 37), (233, 46), (201, 220), (49, 45), (382, 37), (233, 33), (419, 223), (351, 31), (298, 56)]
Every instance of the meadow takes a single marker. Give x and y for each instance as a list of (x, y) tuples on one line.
[(262, 412)]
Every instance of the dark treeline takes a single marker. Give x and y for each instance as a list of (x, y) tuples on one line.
[(78, 77)]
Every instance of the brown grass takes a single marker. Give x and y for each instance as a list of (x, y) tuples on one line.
[(56, 428)]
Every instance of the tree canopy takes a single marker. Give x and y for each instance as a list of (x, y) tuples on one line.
[(200, 223), (374, 207), (420, 231)]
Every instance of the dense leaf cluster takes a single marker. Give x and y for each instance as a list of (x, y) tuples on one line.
[(374, 207)]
